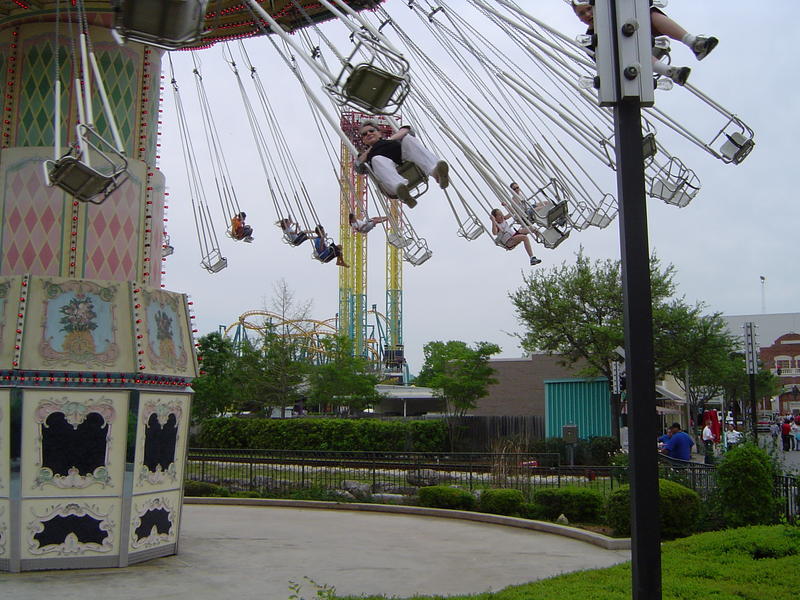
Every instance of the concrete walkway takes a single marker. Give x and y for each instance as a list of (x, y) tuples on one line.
[(252, 553)]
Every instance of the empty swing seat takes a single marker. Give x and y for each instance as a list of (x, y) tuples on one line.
[(214, 262), (552, 237), (82, 181), (372, 88), (736, 148), (168, 24), (397, 240)]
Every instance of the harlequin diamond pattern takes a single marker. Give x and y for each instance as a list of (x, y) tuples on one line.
[(113, 236), (119, 77), (36, 93), (33, 215)]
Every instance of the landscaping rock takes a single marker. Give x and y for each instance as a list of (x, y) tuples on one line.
[(235, 484), (562, 519), (360, 491), (389, 498), (385, 487), (426, 477), (343, 494)]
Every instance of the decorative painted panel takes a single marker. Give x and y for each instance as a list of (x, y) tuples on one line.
[(77, 325), (167, 342), (9, 308), (154, 521), (32, 214), (114, 230), (5, 447), (73, 443), (5, 547), (57, 529), (35, 113), (161, 441), (119, 66)]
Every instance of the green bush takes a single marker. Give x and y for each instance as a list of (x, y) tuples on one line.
[(203, 488), (531, 510), (444, 496), (347, 435), (679, 507), (243, 494), (580, 505), (501, 502), (745, 480), (601, 450)]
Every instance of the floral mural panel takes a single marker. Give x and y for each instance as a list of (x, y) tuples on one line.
[(78, 325), (73, 442), (168, 346), (161, 441)]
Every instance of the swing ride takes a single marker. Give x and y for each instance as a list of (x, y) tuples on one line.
[(492, 118), (505, 99)]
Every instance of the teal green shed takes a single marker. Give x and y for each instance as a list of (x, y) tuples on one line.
[(581, 402)]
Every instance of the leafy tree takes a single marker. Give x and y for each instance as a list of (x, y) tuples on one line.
[(213, 388), (458, 373), (284, 371), (577, 311), (344, 380)]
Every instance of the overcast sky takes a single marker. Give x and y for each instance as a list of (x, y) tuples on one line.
[(743, 224)]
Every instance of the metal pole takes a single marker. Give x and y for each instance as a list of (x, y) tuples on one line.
[(638, 319), (753, 412)]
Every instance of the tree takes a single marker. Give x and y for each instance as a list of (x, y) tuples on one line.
[(284, 371), (577, 311), (459, 374), (343, 380), (213, 388)]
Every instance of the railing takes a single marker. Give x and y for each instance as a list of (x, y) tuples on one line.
[(280, 473)]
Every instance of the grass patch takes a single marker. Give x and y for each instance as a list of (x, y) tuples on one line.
[(749, 563)]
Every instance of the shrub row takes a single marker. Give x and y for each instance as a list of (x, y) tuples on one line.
[(344, 435)]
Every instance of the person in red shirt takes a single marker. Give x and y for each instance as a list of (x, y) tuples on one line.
[(786, 434)]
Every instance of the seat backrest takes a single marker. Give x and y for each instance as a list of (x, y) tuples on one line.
[(169, 24), (371, 87)]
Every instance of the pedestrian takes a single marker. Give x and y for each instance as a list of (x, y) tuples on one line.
[(708, 443), (679, 445), (786, 434), (774, 431), (732, 436)]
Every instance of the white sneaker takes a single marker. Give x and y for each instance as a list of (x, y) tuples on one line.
[(703, 46), (679, 74)]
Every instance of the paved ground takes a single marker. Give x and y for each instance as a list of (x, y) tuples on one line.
[(249, 553)]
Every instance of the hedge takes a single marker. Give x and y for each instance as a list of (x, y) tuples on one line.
[(344, 435), (745, 483), (501, 502), (444, 496), (579, 505), (679, 507)]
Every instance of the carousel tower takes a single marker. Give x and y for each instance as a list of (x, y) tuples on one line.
[(95, 357)]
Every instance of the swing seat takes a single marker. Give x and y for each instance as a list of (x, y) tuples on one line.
[(736, 148), (419, 257), (397, 240), (671, 192), (649, 146), (82, 181), (167, 250), (214, 262), (552, 237), (417, 180), (502, 238), (168, 24), (556, 215), (372, 88), (472, 230)]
